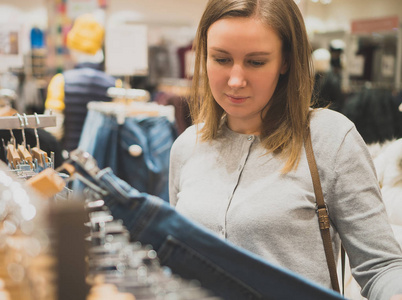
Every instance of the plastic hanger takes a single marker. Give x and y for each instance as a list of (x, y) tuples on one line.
[(37, 153), (22, 150), (13, 157)]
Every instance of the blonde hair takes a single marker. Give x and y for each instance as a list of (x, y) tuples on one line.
[(286, 120)]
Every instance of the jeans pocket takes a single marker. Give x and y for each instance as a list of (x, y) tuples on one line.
[(188, 263)]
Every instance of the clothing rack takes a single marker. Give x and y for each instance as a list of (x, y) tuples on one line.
[(357, 86), (24, 121), (129, 94), (26, 162), (121, 110), (178, 86), (94, 251)]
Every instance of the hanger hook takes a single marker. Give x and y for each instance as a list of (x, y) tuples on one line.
[(13, 141), (26, 119), (36, 130), (26, 126), (23, 130)]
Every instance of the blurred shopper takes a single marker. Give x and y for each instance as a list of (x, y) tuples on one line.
[(327, 81), (69, 92)]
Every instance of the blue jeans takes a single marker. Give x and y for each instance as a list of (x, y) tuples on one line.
[(194, 252), (109, 143)]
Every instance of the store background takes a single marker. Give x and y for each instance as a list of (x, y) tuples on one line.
[(174, 22)]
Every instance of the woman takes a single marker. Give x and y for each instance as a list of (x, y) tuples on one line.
[(241, 170)]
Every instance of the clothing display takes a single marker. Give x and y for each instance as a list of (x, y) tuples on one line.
[(375, 114), (130, 267), (327, 90), (252, 198), (137, 149), (182, 111), (47, 143), (27, 262), (193, 251), (61, 260), (111, 188), (27, 267), (26, 146)]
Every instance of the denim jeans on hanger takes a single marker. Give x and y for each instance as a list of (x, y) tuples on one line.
[(146, 166), (149, 171), (100, 139), (194, 252)]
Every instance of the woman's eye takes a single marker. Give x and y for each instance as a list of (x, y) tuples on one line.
[(222, 61), (256, 63)]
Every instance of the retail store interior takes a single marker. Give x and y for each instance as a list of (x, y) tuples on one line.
[(56, 245)]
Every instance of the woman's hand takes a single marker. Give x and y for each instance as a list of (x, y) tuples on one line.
[(396, 297)]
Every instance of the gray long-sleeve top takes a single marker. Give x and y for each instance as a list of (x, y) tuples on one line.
[(232, 187)]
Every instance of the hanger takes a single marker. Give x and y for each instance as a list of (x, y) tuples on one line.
[(22, 150), (128, 95), (131, 103), (37, 153), (151, 110), (177, 86), (121, 111), (13, 157), (80, 165)]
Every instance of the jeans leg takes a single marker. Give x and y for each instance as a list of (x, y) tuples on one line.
[(192, 251)]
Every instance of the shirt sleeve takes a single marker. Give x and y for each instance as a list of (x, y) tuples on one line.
[(55, 93), (359, 215)]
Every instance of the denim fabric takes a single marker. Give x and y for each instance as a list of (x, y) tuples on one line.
[(100, 139), (109, 143), (194, 252)]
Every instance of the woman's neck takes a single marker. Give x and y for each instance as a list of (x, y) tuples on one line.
[(244, 127)]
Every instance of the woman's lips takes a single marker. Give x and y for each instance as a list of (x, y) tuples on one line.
[(236, 99)]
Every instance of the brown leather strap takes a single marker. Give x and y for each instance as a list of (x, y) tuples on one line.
[(343, 258), (322, 213)]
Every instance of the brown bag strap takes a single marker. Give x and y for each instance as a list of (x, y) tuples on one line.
[(322, 213)]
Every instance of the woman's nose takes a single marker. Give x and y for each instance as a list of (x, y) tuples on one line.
[(237, 77)]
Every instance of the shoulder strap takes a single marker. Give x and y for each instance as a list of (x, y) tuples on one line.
[(322, 213)]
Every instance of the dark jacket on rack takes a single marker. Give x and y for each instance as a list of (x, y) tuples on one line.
[(85, 83), (327, 91), (375, 115)]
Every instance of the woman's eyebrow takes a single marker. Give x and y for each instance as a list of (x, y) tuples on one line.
[(219, 50), (256, 53), (259, 53)]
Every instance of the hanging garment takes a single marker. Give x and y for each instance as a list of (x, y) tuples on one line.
[(327, 90), (375, 115), (182, 110), (194, 252), (137, 150)]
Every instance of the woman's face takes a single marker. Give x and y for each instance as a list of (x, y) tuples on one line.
[(243, 65)]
